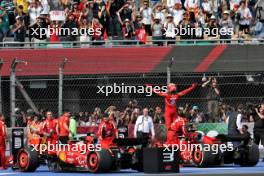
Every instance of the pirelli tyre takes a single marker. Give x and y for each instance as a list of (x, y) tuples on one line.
[(247, 156), (205, 158), (99, 161), (28, 160)]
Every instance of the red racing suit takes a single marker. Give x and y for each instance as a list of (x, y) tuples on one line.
[(107, 131), (49, 127), (2, 143), (178, 128), (170, 104)]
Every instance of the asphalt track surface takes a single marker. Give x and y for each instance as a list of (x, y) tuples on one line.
[(227, 170)]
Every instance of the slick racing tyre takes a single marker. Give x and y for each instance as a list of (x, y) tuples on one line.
[(99, 161), (202, 158), (247, 156), (27, 160)]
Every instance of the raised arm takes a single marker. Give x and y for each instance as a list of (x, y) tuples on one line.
[(184, 92)]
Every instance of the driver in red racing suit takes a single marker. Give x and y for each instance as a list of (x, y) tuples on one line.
[(107, 131), (171, 98)]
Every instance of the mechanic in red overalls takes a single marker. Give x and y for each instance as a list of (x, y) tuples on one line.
[(107, 131), (49, 128), (178, 128), (2, 141)]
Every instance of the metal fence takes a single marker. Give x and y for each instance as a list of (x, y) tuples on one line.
[(80, 93), (127, 43)]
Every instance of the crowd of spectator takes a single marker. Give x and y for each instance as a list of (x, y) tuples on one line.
[(132, 19), (129, 115)]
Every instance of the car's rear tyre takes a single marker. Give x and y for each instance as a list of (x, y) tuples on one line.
[(248, 156), (202, 158), (99, 161), (28, 160)]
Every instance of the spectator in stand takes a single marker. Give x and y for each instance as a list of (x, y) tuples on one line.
[(245, 18), (207, 8), (192, 5), (114, 24), (57, 5), (185, 23), (157, 29), (85, 37), (100, 10), (1, 30), (34, 11), (213, 28), (137, 23), (124, 13), (226, 24), (169, 28), (68, 3), (213, 98), (36, 30), (171, 3), (159, 13), (141, 34), (97, 26), (158, 116), (23, 4), (70, 24), (146, 13), (20, 13), (4, 21), (177, 13), (87, 12), (19, 31), (45, 6), (128, 31), (75, 11), (53, 36)]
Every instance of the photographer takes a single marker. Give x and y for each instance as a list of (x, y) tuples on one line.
[(259, 125), (213, 97)]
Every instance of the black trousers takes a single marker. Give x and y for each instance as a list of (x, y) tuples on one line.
[(258, 137), (143, 137)]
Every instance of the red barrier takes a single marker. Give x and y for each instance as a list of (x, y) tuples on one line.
[(84, 61)]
